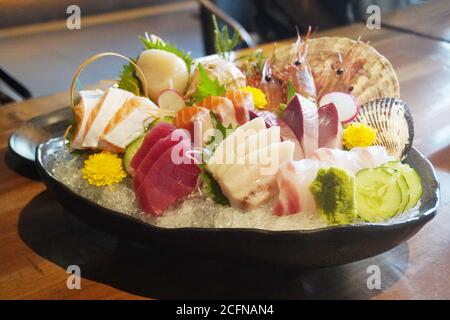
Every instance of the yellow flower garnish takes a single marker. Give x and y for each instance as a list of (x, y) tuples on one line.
[(259, 98), (358, 135), (103, 169)]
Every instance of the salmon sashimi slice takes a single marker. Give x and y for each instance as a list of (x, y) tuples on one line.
[(88, 99), (104, 110), (158, 148), (196, 120), (293, 181), (243, 103), (161, 187), (128, 123), (158, 132), (222, 107)]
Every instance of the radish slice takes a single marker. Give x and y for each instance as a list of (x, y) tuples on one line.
[(346, 105), (170, 101)]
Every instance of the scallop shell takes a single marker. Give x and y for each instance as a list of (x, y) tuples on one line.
[(376, 79), (393, 122)]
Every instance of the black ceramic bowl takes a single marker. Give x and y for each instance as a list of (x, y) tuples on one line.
[(299, 249)]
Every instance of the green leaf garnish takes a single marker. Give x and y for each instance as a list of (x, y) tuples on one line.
[(212, 188), (290, 90), (214, 141), (166, 46), (129, 81), (223, 44), (207, 87)]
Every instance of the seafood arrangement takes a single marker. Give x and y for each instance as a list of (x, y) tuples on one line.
[(314, 129)]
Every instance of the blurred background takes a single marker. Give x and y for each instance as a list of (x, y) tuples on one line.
[(38, 54)]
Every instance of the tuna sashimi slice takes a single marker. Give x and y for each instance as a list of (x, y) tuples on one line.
[(167, 181), (330, 128), (155, 152), (159, 131)]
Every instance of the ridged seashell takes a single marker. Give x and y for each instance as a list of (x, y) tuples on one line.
[(393, 122), (369, 74)]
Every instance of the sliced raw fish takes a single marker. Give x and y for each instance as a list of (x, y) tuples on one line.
[(128, 123), (301, 116), (223, 108), (104, 110), (167, 181), (355, 159), (288, 135), (330, 128), (155, 152), (243, 103), (229, 145), (88, 99), (258, 140), (252, 181), (293, 180), (159, 131)]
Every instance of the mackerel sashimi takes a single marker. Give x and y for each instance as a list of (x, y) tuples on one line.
[(330, 128)]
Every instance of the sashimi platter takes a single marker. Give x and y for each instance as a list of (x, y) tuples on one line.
[(309, 135)]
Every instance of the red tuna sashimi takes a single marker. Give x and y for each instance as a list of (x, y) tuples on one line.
[(301, 116), (330, 128), (159, 131), (155, 152), (166, 182)]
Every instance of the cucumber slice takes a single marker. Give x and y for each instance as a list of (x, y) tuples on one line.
[(413, 180), (130, 151), (378, 194), (404, 187)]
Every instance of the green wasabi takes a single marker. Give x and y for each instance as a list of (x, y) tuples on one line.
[(334, 192)]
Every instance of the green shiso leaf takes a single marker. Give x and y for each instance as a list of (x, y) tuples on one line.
[(129, 81), (212, 188), (166, 46), (207, 87)]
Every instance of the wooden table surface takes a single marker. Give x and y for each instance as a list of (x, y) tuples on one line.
[(430, 19), (39, 240)]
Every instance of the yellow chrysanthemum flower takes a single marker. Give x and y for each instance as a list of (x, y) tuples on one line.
[(259, 98), (358, 135), (103, 169)]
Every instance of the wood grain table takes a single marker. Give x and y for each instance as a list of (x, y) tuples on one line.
[(430, 19), (39, 240)]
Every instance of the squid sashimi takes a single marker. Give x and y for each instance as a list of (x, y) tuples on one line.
[(252, 181), (158, 132), (293, 180), (355, 159), (102, 113), (223, 108), (243, 103), (168, 181), (330, 128), (301, 117), (229, 145), (88, 99), (127, 124), (158, 148), (258, 140)]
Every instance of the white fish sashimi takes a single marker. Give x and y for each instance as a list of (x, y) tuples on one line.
[(355, 159), (102, 113), (88, 99), (258, 140), (127, 124), (293, 180), (228, 146), (253, 182)]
